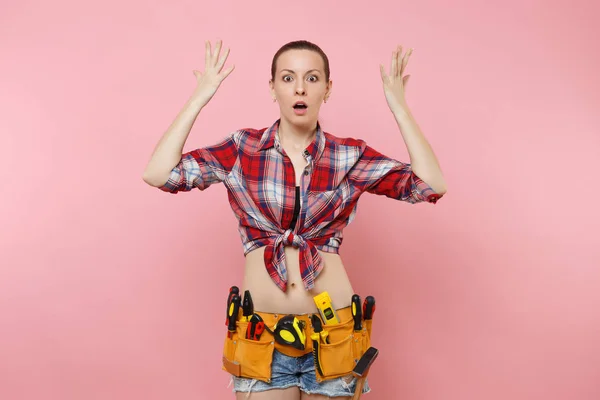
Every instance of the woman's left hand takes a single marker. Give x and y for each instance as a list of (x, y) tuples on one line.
[(394, 84)]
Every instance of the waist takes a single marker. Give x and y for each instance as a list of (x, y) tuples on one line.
[(268, 297), (253, 239)]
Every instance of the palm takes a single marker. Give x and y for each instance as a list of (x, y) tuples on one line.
[(394, 84), (210, 80)]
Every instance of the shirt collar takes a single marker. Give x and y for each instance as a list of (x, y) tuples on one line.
[(270, 138)]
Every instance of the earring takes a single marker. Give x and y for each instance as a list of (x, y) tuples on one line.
[(274, 99)]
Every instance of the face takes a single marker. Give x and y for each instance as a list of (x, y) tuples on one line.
[(300, 76)]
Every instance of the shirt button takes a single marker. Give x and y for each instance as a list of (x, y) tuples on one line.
[(306, 153), (305, 172)]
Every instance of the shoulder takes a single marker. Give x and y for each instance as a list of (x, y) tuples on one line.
[(247, 139), (344, 142)]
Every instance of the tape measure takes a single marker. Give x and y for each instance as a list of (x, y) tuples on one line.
[(289, 331)]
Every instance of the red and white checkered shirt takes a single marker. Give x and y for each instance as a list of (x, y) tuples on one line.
[(261, 187)]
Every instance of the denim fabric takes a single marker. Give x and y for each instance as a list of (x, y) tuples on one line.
[(297, 371)]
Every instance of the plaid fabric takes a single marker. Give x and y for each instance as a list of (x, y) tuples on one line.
[(260, 182)]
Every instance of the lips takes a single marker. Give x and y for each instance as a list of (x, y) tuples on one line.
[(300, 108), (300, 105)]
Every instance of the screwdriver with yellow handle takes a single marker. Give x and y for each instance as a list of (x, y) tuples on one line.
[(357, 312), (232, 292), (234, 308)]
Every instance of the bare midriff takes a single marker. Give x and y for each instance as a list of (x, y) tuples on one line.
[(267, 297)]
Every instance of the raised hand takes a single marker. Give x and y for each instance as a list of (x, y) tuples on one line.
[(210, 80), (394, 84)]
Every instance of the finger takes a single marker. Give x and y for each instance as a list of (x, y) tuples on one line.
[(399, 60), (394, 65), (207, 55), (226, 73), (222, 60), (215, 56), (404, 81), (405, 60), (382, 70)]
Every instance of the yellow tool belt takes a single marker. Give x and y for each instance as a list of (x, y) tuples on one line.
[(253, 358)]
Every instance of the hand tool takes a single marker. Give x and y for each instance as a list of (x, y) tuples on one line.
[(232, 291), (290, 331), (356, 312), (256, 326), (247, 306), (323, 303), (315, 336), (318, 328), (234, 308), (361, 369), (369, 307)]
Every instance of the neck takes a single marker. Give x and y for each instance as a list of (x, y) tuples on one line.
[(294, 136)]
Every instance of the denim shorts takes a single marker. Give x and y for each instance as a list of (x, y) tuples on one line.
[(298, 371)]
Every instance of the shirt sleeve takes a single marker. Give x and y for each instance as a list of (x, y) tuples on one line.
[(202, 167), (381, 175)]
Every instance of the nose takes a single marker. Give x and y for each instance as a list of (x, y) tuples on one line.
[(300, 89)]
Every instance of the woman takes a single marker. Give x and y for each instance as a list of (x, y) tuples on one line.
[(294, 188)]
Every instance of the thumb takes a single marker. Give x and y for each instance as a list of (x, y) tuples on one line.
[(405, 80)]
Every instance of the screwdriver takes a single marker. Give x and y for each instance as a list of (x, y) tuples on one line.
[(234, 308), (356, 312), (232, 291), (369, 307)]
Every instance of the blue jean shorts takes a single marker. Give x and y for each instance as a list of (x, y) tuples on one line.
[(289, 371)]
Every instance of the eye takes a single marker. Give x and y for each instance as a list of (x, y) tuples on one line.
[(314, 76), (286, 80)]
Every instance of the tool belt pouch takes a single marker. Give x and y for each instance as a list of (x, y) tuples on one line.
[(346, 346), (248, 358)]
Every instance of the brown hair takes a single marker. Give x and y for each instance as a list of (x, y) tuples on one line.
[(300, 45)]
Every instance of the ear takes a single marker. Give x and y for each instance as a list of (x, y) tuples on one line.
[(272, 87), (329, 89)]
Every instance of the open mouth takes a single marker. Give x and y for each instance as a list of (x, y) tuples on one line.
[(300, 105), (300, 108)]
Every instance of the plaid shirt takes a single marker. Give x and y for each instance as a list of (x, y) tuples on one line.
[(260, 182)]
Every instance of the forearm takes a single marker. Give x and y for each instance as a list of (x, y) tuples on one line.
[(422, 158), (167, 152)]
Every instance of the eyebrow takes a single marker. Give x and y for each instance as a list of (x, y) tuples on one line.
[(312, 70)]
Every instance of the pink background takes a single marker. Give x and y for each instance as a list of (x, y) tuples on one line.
[(111, 289)]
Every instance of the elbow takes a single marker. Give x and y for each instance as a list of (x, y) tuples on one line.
[(441, 190), (153, 180)]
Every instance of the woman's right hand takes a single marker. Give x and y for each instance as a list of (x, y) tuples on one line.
[(210, 80)]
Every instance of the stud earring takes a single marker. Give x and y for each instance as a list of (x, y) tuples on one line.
[(274, 99)]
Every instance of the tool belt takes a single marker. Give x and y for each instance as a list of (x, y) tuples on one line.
[(253, 358)]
